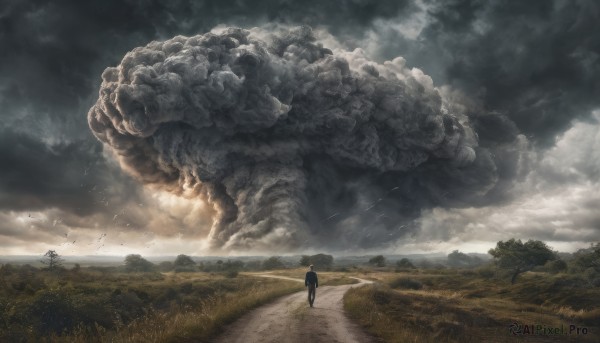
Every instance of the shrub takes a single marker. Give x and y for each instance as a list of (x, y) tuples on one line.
[(91, 312), (405, 283), (231, 274), (378, 261), (556, 266), (136, 263), (273, 262), (52, 312), (405, 264), (591, 273), (486, 272)]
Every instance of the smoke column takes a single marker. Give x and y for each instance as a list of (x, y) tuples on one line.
[(291, 143)]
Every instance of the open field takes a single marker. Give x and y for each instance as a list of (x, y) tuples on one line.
[(462, 306), (92, 305), (97, 304)]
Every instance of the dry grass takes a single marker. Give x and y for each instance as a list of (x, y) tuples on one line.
[(338, 281), (194, 307), (325, 278), (199, 325), (452, 307)]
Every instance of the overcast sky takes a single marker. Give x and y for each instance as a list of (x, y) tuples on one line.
[(484, 118)]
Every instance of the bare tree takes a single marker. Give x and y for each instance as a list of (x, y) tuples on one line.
[(52, 259)]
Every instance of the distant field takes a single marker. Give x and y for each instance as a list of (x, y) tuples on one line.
[(463, 306)]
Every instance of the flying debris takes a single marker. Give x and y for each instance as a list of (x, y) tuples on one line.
[(332, 216), (370, 207)]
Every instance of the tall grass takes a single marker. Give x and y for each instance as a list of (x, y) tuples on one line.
[(194, 325), (452, 307), (113, 307)]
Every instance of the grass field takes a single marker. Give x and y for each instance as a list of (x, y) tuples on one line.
[(96, 306), (325, 278), (463, 306), (417, 305)]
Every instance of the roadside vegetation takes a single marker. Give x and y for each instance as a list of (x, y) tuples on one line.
[(174, 301), (132, 303), (480, 301)]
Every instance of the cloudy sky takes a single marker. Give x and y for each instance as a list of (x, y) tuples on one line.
[(351, 126)]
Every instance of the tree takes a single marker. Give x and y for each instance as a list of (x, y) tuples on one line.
[(184, 263), (588, 258), (556, 266), (458, 259), (378, 261), (321, 261), (136, 263), (52, 259), (521, 257), (305, 260), (405, 263), (273, 262), (236, 265)]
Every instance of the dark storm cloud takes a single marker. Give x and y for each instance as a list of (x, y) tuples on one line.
[(276, 130), (53, 52), (65, 42), (526, 67), (537, 62), (71, 177)]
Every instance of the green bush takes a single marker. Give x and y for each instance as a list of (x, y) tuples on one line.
[(556, 266), (92, 312), (52, 312)]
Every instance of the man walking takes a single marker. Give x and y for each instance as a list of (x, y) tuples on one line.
[(312, 282)]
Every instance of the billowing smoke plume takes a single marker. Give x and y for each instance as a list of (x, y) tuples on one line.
[(291, 143)]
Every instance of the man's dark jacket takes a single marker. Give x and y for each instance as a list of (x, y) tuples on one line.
[(311, 279)]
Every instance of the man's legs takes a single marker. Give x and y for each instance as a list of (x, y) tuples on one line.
[(311, 294)]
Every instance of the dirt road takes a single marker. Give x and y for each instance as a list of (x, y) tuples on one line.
[(290, 319)]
